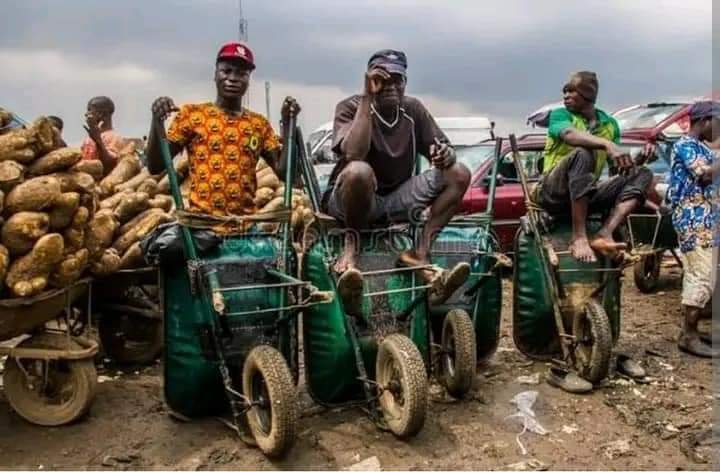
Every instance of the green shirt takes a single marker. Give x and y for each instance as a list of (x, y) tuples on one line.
[(561, 119)]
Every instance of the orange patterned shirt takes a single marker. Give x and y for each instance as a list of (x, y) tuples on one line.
[(223, 150)]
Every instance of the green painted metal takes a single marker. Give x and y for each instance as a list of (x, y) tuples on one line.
[(481, 295), (193, 384), (330, 364), (534, 327)]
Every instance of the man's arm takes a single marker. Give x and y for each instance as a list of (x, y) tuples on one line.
[(356, 144), (274, 155), (161, 109), (107, 157), (579, 138)]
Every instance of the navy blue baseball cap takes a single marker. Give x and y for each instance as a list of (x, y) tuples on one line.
[(706, 109), (395, 62)]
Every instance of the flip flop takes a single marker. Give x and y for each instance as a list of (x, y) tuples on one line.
[(629, 367), (568, 381), (350, 288), (448, 282)]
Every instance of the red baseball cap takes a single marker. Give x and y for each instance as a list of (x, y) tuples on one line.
[(237, 50)]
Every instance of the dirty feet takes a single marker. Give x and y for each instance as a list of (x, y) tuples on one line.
[(347, 260), (695, 346), (580, 249), (606, 246)]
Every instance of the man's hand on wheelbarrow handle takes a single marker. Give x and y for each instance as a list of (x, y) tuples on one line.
[(163, 107)]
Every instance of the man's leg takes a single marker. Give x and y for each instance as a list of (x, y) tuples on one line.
[(572, 181), (353, 201), (456, 179), (696, 293), (624, 194)]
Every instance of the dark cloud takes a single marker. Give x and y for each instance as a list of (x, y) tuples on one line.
[(500, 58)]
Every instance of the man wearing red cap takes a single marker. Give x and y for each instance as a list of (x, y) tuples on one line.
[(223, 139)]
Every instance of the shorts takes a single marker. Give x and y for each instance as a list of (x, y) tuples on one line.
[(404, 204), (699, 270)]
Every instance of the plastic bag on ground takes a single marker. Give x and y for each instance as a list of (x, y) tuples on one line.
[(525, 415)]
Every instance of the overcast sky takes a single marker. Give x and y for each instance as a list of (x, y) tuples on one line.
[(501, 59)]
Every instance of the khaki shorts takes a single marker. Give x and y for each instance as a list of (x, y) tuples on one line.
[(699, 276)]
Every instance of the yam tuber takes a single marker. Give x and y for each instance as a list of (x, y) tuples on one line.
[(112, 202), (11, 174), (137, 219), (29, 274), (133, 257), (62, 212), (70, 269), (93, 167), (134, 182), (22, 230), (165, 202), (75, 182), (34, 194), (4, 262), (130, 206), (125, 169), (148, 186), (55, 161), (143, 228), (108, 263), (99, 233)]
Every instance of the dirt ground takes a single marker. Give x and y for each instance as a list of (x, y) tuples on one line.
[(624, 425)]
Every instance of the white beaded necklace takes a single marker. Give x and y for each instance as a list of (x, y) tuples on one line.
[(382, 120)]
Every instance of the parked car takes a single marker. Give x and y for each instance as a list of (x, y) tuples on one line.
[(509, 197)]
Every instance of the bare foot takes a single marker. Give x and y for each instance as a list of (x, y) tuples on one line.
[(606, 246), (580, 249), (348, 260)]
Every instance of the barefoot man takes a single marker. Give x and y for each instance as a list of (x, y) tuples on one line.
[(579, 142), (695, 214), (377, 136)]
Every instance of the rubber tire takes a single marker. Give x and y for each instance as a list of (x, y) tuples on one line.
[(597, 365), (117, 349), (271, 365), (404, 420), (457, 373), (82, 375), (647, 280)]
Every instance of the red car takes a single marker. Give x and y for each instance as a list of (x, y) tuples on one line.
[(509, 197)]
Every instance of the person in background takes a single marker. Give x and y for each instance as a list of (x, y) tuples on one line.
[(59, 125), (580, 140), (103, 142), (693, 195)]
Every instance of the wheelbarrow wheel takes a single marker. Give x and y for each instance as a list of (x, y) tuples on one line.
[(458, 357), (54, 392), (593, 342), (268, 384), (400, 372), (646, 272), (128, 339)]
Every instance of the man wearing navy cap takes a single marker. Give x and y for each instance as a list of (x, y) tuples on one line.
[(693, 196), (377, 136), (223, 139)]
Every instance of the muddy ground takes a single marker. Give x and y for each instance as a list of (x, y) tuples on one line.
[(660, 425)]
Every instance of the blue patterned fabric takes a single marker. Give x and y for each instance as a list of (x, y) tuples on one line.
[(694, 204)]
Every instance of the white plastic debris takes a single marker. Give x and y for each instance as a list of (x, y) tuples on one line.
[(533, 379), (572, 429), (369, 464), (524, 402)]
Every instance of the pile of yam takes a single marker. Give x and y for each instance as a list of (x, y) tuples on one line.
[(270, 197)]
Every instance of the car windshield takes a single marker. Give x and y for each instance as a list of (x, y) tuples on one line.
[(647, 116)]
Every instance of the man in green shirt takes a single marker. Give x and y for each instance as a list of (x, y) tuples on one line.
[(580, 140)]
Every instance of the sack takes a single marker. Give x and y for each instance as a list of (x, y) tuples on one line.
[(164, 246)]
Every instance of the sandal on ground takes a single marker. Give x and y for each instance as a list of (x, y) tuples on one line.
[(626, 365), (568, 381)]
